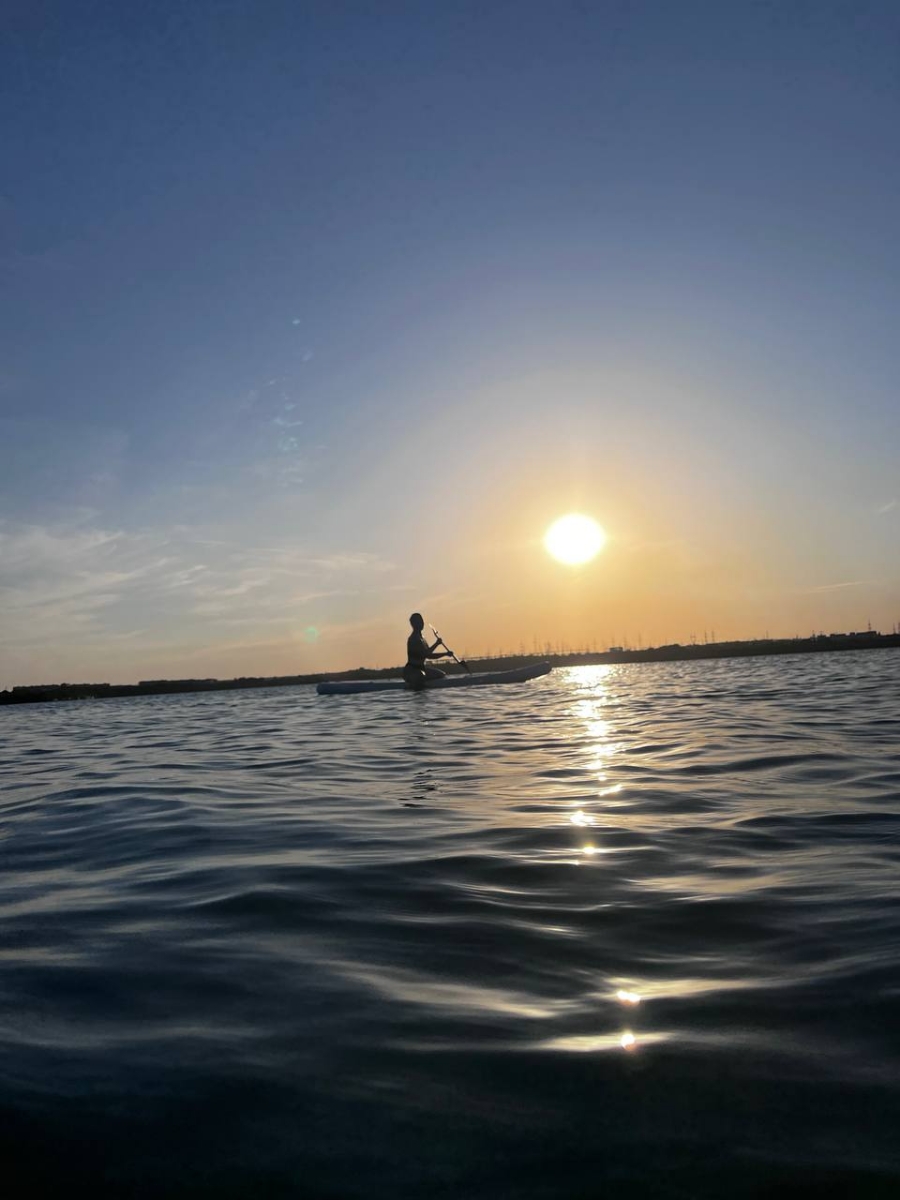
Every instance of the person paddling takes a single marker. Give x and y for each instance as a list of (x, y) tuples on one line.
[(417, 669)]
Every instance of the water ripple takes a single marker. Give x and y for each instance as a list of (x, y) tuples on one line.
[(629, 926)]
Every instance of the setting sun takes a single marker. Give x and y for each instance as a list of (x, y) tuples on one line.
[(574, 539)]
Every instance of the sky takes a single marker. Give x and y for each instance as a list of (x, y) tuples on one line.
[(314, 314)]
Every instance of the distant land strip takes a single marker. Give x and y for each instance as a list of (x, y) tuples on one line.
[(824, 642)]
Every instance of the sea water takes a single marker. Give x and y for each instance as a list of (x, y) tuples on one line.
[(628, 928)]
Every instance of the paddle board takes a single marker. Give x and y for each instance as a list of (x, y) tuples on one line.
[(350, 687)]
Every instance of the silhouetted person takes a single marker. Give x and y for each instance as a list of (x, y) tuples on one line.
[(417, 669)]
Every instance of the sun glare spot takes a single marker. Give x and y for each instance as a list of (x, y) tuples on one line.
[(628, 997), (574, 539), (628, 1041)]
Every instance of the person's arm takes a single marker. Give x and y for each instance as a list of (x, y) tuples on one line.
[(441, 654)]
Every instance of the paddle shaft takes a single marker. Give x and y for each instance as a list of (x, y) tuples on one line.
[(449, 651)]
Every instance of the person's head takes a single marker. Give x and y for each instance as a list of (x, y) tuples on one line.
[(417, 621)]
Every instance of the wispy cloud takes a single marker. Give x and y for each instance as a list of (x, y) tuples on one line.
[(67, 586), (834, 587), (270, 418), (349, 562), (886, 508)]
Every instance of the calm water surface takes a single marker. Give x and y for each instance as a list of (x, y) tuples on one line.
[(623, 927)]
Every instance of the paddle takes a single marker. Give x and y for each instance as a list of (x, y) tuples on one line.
[(449, 651)]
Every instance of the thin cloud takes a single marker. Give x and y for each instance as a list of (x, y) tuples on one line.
[(886, 508), (77, 589), (351, 562), (834, 587)]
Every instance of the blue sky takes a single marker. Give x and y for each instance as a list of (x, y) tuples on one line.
[(314, 313)]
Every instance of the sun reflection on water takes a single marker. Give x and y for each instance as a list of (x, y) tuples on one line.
[(592, 740), (591, 729), (598, 1043)]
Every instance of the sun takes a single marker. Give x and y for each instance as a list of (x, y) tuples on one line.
[(574, 539)]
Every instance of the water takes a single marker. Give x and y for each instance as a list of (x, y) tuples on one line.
[(274, 944)]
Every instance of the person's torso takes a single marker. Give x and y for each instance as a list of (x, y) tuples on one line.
[(416, 649)]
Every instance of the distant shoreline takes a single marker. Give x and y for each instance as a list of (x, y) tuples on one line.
[(823, 643)]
